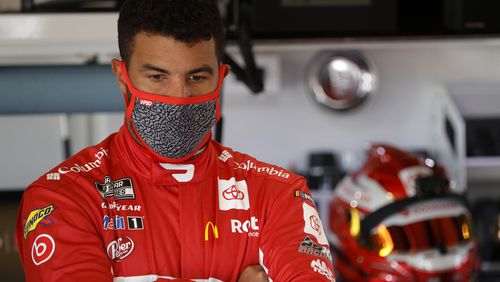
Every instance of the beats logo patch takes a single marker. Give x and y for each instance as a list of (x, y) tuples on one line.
[(43, 249)]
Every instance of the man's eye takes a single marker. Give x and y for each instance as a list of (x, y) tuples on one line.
[(156, 77), (196, 77)]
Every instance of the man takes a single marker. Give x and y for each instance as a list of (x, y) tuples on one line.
[(159, 200)]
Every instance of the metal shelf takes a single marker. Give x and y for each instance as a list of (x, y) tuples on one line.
[(491, 266), (483, 169)]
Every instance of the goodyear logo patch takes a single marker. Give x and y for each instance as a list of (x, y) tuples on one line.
[(38, 216)]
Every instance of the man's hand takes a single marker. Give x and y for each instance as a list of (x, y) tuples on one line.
[(253, 273)]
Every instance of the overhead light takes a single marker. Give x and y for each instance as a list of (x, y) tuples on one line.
[(340, 80)]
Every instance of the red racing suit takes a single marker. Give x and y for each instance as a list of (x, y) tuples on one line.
[(113, 213)]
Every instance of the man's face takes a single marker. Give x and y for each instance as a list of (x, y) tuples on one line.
[(164, 66)]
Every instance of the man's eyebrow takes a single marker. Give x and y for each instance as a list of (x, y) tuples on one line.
[(204, 68), (154, 68)]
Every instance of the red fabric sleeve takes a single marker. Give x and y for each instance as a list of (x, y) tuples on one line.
[(293, 244), (58, 240)]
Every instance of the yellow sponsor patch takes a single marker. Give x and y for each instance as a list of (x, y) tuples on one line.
[(35, 217)]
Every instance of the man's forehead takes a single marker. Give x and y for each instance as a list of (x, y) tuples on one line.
[(144, 35), (163, 46)]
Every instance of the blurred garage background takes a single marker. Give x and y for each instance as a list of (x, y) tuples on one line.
[(314, 83)]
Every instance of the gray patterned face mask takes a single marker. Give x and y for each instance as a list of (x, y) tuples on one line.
[(174, 129)]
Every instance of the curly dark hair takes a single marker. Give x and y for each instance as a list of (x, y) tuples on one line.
[(189, 21)]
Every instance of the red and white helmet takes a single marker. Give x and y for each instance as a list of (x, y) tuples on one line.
[(396, 219)]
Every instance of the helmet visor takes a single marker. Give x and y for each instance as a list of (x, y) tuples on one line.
[(437, 224)]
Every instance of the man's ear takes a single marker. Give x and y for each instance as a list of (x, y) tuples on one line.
[(117, 70), (227, 69)]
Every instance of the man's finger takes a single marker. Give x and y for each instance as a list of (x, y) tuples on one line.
[(253, 273)]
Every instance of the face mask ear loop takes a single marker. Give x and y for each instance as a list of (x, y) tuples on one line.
[(217, 111), (125, 74), (217, 107), (125, 99), (130, 106), (222, 72)]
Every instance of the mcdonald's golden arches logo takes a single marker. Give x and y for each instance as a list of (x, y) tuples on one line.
[(215, 231)]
